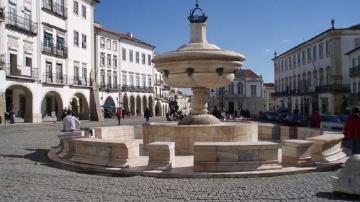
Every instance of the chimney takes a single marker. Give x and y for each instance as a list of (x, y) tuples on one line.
[(129, 34)]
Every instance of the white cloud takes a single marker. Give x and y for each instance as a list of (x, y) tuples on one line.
[(286, 41), (268, 50)]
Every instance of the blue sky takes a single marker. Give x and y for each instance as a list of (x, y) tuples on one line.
[(255, 28)]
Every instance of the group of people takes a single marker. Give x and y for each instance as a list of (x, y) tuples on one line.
[(120, 114)]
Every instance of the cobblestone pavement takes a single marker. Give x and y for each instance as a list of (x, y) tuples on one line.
[(27, 175)]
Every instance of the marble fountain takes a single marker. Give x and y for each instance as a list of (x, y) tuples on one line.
[(200, 144)]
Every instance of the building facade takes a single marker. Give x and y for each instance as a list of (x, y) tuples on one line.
[(314, 75), (354, 60), (46, 51), (268, 90), (244, 93), (126, 76)]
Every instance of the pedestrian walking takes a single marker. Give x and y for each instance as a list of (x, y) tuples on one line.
[(352, 131), (147, 115), (119, 114), (216, 112)]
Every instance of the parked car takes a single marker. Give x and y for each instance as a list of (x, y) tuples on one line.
[(331, 122), (271, 116)]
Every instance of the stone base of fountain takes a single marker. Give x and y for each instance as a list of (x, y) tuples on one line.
[(201, 119), (185, 136)]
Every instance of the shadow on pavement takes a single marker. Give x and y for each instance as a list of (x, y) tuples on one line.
[(337, 196), (37, 155)]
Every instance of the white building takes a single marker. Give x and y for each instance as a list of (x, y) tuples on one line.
[(126, 76), (315, 74), (46, 57), (354, 58), (268, 90), (244, 93)]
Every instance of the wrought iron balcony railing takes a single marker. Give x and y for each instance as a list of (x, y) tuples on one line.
[(355, 71), (56, 50), (109, 87), (332, 88), (21, 72), (21, 24), (54, 8), (50, 78), (79, 81), (158, 82)]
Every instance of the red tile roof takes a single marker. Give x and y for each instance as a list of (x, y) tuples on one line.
[(248, 74), (269, 85)]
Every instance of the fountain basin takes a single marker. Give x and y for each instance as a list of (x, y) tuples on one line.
[(185, 136)]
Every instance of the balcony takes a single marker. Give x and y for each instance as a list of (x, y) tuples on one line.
[(355, 71), (339, 88), (54, 8), (20, 72), (55, 50), (109, 87), (21, 24), (58, 79), (2, 14), (158, 83), (79, 81)]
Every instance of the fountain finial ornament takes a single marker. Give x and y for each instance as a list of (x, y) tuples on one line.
[(197, 18), (199, 65)]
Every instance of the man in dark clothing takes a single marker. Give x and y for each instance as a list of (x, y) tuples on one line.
[(216, 112), (352, 130), (147, 114)]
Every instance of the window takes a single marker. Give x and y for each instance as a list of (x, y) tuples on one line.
[(48, 72), (123, 54), (303, 57), (108, 58), (137, 80), (83, 11), (290, 63), (48, 41), (149, 81), (114, 46), (137, 57), (298, 59), (76, 38), (115, 82), (143, 59), (76, 8), (59, 73), (109, 78), (102, 42), (354, 87), (327, 48), (240, 88), (124, 78), (314, 53), (102, 59), (84, 75), (149, 60), (76, 73), (354, 62), (357, 42), (253, 90), (115, 60), (131, 56), (321, 50), (324, 105), (308, 51), (132, 79), (83, 41), (27, 20), (108, 44), (144, 81), (102, 78), (294, 60), (60, 44), (28, 62)]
